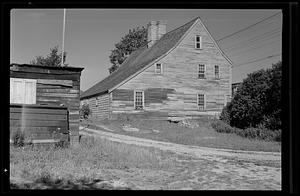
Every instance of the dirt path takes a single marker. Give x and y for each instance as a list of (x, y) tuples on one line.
[(202, 168)]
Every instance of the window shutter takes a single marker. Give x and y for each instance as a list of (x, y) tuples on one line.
[(22, 91), (30, 91), (200, 42), (18, 91), (11, 90)]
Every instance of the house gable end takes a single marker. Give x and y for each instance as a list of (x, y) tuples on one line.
[(156, 60)]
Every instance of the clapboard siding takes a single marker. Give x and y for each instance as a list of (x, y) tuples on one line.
[(176, 89), (99, 106)]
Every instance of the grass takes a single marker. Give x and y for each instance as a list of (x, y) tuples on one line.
[(79, 167), (203, 135)]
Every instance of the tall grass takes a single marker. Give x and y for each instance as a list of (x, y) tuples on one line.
[(83, 162)]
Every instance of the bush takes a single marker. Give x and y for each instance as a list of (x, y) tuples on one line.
[(259, 132), (221, 127), (225, 115), (85, 111), (18, 138), (257, 101)]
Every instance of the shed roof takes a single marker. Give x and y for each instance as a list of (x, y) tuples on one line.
[(67, 68), (138, 60)]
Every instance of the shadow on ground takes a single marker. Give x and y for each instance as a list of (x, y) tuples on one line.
[(41, 183)]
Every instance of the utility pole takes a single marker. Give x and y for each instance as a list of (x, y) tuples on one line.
[(63, 40)]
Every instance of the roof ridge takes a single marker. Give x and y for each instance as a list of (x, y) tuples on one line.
[(180, 26)]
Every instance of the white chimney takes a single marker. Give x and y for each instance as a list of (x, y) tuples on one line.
[(156, 29)]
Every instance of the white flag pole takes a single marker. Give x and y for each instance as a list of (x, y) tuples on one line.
[(63, 40)]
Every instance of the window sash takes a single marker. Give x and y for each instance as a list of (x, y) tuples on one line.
[(217, 71), (201, 71), (198, 42), (158, 68), (201, 101), (139, 100)]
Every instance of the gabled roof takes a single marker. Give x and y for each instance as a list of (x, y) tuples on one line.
[(138, 60)]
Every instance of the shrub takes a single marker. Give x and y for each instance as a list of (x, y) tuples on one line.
[(259, 132), (221, 127), (18, 138), (257, 100), (225, 115), (85, 111)]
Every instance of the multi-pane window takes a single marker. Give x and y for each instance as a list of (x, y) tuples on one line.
[(200, 101), (139, 100), (201, 71), (217, 72), (22, 91), (158, 68), (198, 42)]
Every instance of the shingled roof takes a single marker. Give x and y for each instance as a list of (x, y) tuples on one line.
[(138, 60)]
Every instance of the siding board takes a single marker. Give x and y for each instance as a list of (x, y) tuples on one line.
[(175, 91)]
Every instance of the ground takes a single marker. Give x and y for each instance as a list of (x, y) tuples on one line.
[(196, 132), (152, 158), (201, 168)]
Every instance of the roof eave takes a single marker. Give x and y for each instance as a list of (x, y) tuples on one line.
[(94, 95)]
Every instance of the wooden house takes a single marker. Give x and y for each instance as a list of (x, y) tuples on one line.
[(235, 87), (44, 102), (182, 72)]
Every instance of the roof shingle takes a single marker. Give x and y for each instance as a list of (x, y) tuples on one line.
[(138, 60)]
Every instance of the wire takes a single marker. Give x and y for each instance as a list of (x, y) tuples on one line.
[(263, 44), (247, 27), (271, 56), (254, 39)]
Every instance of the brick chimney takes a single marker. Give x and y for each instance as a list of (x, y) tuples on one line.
[(156, 29)]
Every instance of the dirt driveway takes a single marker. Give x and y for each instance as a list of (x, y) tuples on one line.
[(201, 168)]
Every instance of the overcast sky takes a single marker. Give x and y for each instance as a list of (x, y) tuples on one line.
[(91, 34)]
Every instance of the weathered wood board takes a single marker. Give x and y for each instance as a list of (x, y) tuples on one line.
[(176, 89), (55, 86), (39, 121)]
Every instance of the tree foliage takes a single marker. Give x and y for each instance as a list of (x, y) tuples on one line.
[(130, 42), (53, 59), (257, 101)]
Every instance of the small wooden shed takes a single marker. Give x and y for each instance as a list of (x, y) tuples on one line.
[(44, 102)]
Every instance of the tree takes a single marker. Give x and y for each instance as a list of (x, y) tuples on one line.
[(257, 101), (135, 39), (53, 59)]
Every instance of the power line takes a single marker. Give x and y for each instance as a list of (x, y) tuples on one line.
[(271, 56), (248, 27), (251, 47), (254, 39)]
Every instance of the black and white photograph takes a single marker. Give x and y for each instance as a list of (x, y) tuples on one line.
[(145, 99)]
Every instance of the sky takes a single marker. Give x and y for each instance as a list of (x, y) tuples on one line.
[(90, 35)]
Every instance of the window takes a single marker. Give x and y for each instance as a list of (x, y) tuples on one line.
[(22, 91), (200, 101), (201, 71), (217, 74), (158, 68), (198, 42), (97, 100), (139, 100)]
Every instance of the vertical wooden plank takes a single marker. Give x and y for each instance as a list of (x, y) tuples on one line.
[(18, 86), (30, 91)]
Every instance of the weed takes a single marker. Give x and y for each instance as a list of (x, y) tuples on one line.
[(18, 138)]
